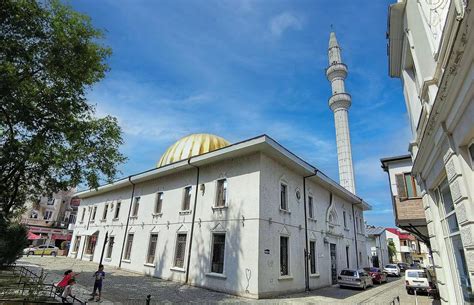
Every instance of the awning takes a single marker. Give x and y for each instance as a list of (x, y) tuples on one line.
[(61, 237), (33, 236), (88, 232)]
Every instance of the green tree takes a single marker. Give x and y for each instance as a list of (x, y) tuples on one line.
[(392, 250), (12, 241), (50, 138)]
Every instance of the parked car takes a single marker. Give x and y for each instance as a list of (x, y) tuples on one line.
[(377, 275), (43, 249), (419, 280), (402, 266), (415, 266), (392, 269), (354, 278)]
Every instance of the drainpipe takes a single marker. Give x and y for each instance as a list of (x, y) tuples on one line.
[(306, 256), (355, 237), (128, 220), (192, 221)]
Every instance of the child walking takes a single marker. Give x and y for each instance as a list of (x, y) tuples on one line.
[(68, 291), (99, 276)]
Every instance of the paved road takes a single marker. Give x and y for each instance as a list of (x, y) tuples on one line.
[(123, 287)]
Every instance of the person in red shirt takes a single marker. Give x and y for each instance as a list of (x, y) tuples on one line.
[(68, 275)]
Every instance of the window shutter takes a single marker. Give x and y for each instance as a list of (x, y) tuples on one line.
[(401, 188)]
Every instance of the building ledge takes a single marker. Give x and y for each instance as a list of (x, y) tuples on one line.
[(178, 269), (126, 261), (187, 212), (285, 278), (214, 208), (285, 211), (314, 275), (216, 275), (149, 265), (155, 215)]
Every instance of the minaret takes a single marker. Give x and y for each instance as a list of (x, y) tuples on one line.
[(339, 103)]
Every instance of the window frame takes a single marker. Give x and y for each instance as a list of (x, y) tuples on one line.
[(94, 212), (225, 189), (313, 259), (214, 234), (83, 214), (185, 200), (310, 207), (175, 257), (150, 247), (135, 207), (286, 257), (284, 199), (117, 209), (158, 209), (104, 213), (110, 247), (127, 255)]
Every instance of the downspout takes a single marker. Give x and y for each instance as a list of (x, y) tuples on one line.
[(355, 237), (128, 220), (192, 221), (306, 256)]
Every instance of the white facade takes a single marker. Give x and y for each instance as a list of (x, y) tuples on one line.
[(339, 103), (430, 50), (377, 249), (253, 225)]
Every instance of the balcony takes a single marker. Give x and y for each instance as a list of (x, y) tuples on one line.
[(406, 249), (410, 215)]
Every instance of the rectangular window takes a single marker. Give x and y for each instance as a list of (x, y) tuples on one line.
[(186, 199), (347, 256), (94, 211), (47, 215), (312, 258), (283, 196), (284, 270), (150, 258), (50, 200), (221, 199), (345, 220), (90, 244), (104, 215), (110, 247), (159, 202), (180, 250), (117, 209), (218, 250), (77, 243), (361, 225), (128, 247), (136, 206), (83, 214), (310, 207)]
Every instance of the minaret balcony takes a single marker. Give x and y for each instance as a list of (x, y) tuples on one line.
[(340, 100), (336, 70)]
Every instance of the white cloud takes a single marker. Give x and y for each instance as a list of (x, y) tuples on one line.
[(283, 22)]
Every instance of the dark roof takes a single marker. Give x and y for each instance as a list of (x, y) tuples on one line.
[(392, 159), (374, 230)]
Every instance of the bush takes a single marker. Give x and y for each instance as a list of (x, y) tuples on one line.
[(13, 239), (63, 245)]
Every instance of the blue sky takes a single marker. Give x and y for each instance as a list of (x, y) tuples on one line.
[(243, 68)]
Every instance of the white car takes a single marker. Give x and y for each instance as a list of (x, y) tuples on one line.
[(392, 269), (419, 280)]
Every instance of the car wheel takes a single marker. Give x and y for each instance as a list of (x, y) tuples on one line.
[(31, 253), (409, 291), (53, 253)]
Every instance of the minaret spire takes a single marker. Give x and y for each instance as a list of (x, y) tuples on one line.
[(339, 103)]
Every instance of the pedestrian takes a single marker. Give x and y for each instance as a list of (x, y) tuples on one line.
[(68, 275), (99, 276), (68, 291)]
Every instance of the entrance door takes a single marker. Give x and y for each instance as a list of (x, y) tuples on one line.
[(332, 249)]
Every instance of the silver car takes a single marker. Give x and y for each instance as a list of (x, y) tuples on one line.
[(392, 269), (354, 278)]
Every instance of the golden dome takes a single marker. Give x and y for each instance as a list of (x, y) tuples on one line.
[(192, 145)]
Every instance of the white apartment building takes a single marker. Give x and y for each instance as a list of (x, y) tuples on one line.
[(249, 219), (377, 249), (431, 50)]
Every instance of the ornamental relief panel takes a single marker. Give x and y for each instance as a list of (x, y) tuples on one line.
[(434, 13)]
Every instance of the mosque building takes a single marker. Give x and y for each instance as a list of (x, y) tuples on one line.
[(249, 218)]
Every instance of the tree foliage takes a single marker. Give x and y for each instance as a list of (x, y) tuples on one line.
[(392, 250), (50, 138), (12, 241)]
